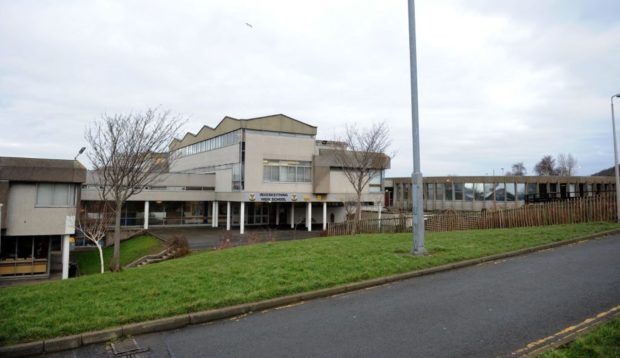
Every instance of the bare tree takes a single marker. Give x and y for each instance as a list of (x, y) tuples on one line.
[(127, 152), (546, 166), (362, 157), (518, 169), (567, 164), (350, 206), (95, 228)]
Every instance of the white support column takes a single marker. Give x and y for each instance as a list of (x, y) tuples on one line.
[(65, 257), (242, 218), (213, 214), (228, 216), (277, 214), (217, 214), (324, 215), (292, 215), (309, 217), (146, 215)]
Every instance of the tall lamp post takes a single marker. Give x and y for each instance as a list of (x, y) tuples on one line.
[(613, 125), (416, 179)]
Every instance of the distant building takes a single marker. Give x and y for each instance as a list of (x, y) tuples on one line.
[(269, 171), (39, 199), (474, 193)]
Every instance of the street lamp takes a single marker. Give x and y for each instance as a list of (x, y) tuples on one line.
[(416, 178), (80, 152), (613, 125)]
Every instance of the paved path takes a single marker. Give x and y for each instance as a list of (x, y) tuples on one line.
[(482, 311)]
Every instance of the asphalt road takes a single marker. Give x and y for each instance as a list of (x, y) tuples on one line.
[(482, 311)]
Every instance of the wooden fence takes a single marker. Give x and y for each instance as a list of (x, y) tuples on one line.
[(571, 211)]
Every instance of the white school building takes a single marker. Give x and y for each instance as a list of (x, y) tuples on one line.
[(266, 171)]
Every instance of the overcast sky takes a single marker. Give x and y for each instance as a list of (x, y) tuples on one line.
[(499, 81)]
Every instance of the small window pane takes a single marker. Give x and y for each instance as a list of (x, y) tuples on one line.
[(439, 191), (478, 191), (45, 194), (469, 191), (520, 191), (488, 191), (458, 191), (449, 192), (510, 192)]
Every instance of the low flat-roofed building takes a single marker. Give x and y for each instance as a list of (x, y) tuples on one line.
[(38, 199), (474, 193)]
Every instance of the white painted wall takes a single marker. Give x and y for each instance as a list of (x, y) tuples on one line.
[(23, 218)]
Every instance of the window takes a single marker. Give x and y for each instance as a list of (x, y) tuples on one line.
[(449, 191), (510, 192), (55, 195), (478, 191), (520, 191), (489, 191), (439, 189), (287, 171), (210, 144), (500, 192), (374, 185), (469, 191), (458, 191)]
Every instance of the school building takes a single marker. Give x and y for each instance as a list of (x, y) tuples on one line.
[(475, 193), (266, 171), (38, 207)]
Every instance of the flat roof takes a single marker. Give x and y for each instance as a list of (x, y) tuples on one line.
[(42, 170)]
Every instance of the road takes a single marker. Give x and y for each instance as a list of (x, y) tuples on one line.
[(482, 311)]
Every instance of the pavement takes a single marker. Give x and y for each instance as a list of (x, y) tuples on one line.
[(488, 310), (206, 238)]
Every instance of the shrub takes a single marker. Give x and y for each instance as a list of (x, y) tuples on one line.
[(180, 245)]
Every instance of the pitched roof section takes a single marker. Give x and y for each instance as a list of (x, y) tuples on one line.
[(272, 123)]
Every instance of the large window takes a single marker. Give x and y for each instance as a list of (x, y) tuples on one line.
[(286, 171), (55, 195), (211, 144)]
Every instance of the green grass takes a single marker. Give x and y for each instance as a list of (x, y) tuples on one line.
[(214, 279), (603, 341), (131, 250)]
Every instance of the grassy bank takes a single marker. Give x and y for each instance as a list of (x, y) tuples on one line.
[(131, 250), (244, 274), (604, 341)]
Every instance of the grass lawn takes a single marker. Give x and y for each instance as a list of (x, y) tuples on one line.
[(131, 250), (244, 274), (603, 341)]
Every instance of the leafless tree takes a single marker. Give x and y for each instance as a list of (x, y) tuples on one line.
[(127, 152), (567, 164), (546, 166), (350, 206), (362, 157), (518, 169), (95, 228)]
